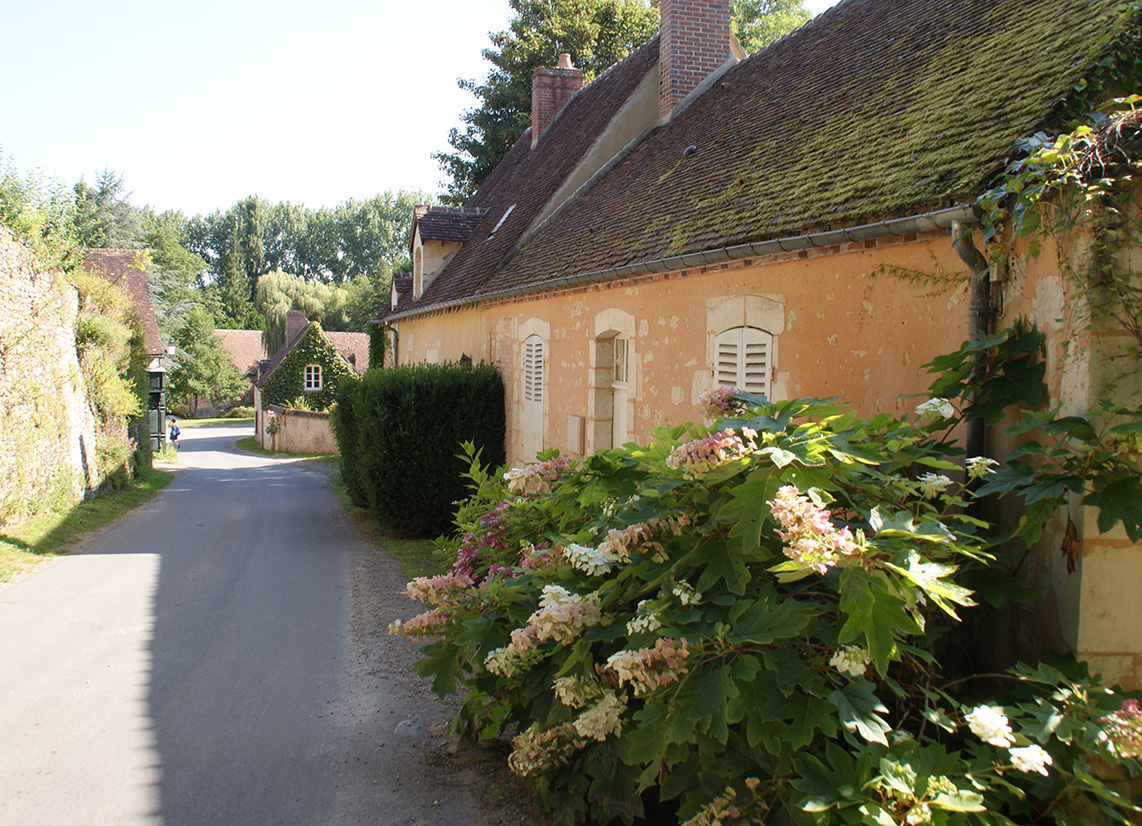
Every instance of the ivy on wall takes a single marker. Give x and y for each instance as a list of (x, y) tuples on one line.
[(286, 385)]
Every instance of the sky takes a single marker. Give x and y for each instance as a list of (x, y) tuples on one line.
[(199, 105)]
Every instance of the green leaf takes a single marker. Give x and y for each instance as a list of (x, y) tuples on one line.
[(962, 801), (1119, 501), (858, 709)]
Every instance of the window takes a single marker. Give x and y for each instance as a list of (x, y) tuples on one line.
[(533, 369), (532, 424), (742, 359), (620, 367), (312, 378)]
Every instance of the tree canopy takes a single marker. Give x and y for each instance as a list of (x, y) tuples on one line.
[(202, 368), (597, 33)]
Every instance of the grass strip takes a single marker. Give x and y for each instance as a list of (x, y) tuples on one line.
[(26, 546)]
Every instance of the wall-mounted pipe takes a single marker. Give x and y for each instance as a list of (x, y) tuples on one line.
[(979, 318)]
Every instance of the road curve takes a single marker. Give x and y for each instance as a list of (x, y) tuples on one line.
[(193, 665)]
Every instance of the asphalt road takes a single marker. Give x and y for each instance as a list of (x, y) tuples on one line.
[(195, 665)]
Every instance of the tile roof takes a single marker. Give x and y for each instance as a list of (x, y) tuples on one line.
[(354, 347), (874, 109), (245, 348), (443, 223), (523, 182), (124, 267)]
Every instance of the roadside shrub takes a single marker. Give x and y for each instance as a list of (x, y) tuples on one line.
[(409, 424), (240, 412), (343, 417), (760, 620)]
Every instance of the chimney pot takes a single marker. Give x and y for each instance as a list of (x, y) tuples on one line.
[(564, 61)]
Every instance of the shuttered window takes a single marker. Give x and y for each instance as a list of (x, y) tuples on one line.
[(742, 359), (533, 369)]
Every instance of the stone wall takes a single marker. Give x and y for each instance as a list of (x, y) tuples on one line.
[(47, 430), (298, 431)]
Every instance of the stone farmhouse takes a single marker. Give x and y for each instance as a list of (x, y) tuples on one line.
[(795, 222)]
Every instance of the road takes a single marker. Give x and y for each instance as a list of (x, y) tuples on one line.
[(196, 664)]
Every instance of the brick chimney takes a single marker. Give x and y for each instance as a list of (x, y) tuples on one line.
[(695, 42), (550, 90), (296, 321)]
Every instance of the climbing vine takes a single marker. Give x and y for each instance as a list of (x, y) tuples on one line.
[(1082, 181)]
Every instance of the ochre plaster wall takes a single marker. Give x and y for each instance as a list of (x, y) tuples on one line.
[(842, 327), (439, 338), (1091, 599)]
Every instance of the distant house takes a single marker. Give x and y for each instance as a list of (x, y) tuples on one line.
[(246, 352), (124, 267), (300, 382), (795, 222)]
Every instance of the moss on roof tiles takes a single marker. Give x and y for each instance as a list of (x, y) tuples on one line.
[(875, 108)]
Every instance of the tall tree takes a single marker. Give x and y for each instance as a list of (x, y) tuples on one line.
[(280, 292), (757, 23), (596, 33), (202, 368), (105, 216)]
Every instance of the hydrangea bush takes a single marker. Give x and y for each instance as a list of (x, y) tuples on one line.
[(758, 621)]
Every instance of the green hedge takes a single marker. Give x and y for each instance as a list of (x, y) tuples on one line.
[(399, 432), (343, 418)]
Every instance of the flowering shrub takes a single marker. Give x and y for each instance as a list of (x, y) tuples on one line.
[(759, 621)]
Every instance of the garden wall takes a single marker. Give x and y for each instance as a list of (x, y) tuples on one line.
[(47, 430), (299, 431)]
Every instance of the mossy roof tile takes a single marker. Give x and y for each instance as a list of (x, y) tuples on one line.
[(876, 108)]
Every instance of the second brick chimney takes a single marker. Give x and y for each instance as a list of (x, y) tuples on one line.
[(695, 42), (296, 321), (551, 88)]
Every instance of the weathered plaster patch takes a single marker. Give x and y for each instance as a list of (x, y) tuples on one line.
[(677, 395)]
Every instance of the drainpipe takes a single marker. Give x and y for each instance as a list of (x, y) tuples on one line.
[(979, 317)]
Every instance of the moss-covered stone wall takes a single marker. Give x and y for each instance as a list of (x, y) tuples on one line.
[(47, 431)]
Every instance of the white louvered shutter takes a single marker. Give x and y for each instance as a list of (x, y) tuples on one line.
[(742, 359), (533, 369), (532, 424)]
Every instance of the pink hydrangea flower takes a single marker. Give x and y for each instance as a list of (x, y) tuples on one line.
[(808, 532)]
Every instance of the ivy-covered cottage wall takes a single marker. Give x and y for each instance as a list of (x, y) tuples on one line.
[(286, 386), (47, 430), (287, 416)]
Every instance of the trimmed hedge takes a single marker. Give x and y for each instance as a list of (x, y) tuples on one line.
[(400, 430), (343, 419)]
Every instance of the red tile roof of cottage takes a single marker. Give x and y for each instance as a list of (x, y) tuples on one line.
[(873, 110), (245, 348), (124, 267), (354, 347)]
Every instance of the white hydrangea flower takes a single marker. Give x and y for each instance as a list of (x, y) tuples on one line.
[(936, 407), (644, 619), (577, 692), (918, 815), (592, 561), (602, 719), (980, 466), (1031, 759), (932, 484), (686, 594), (850, 659), (990, 725)]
